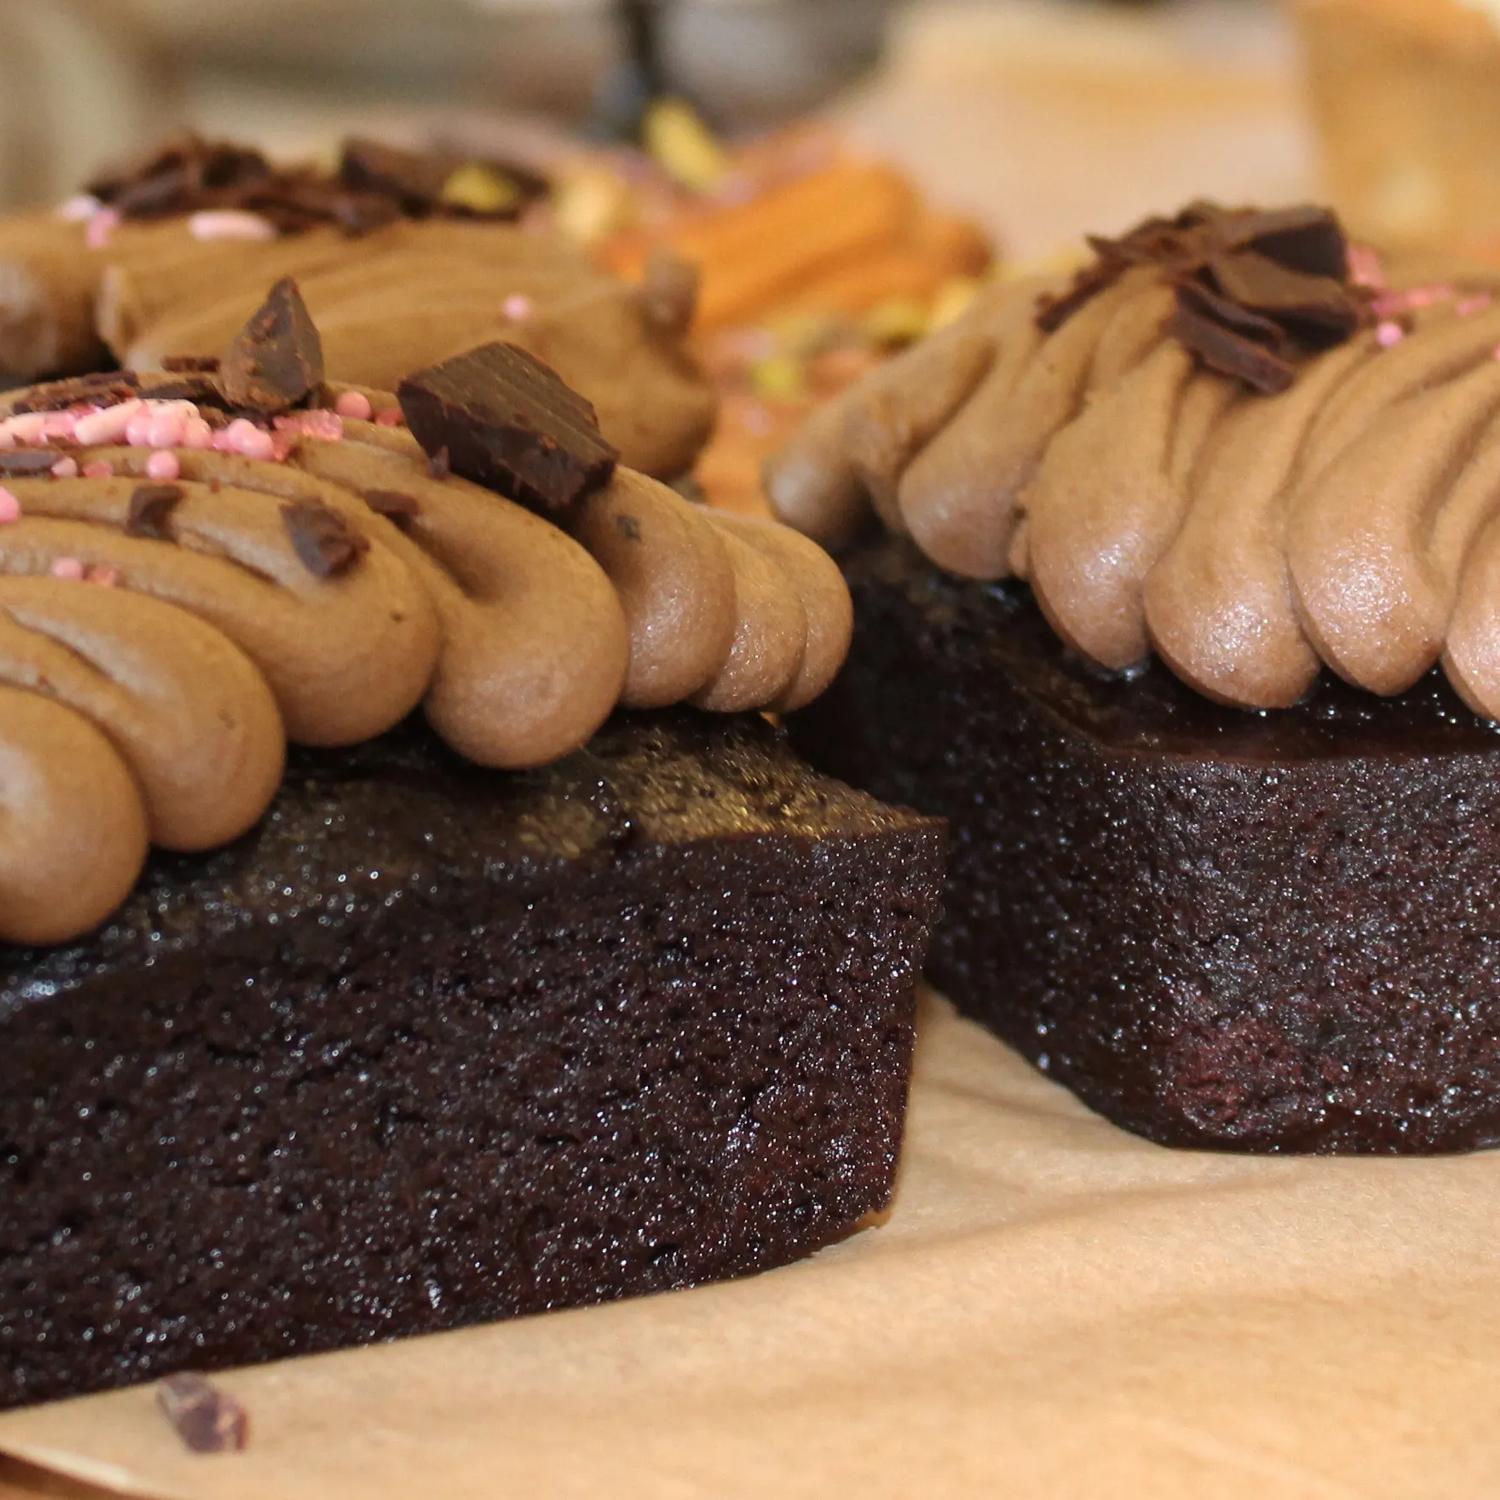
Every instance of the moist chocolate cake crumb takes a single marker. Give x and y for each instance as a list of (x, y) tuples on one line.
[(1267, 932), (433, 1045)]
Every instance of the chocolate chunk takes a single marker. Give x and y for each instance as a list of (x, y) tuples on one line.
[(207, 1419), (323, 540), (1256, 290), (150, 507), (16, 463), (185, 174), (394, 505), (413, 179), (510, 422), (276, 359), (628, 527), (1221, 348)]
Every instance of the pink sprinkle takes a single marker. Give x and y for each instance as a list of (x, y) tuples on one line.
[(65, 468), (1389, 334), (10, 507), (390, 417), (138, 430), (107, 426), (78, 208), (1364, 266), (56, 424), (165, 430), (282, 444), (1466, 307), (196, 433), (100, 227), (7, 439), (353, 404), (105, 578), (245, 438), (326, 426), (99, 468), (69, 569), (163, 465), (517, 307), (1495, 352), (230, 224), (26, 428)]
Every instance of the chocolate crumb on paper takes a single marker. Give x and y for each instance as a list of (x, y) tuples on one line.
[(509, 422), (206, 1418), (323, 540)]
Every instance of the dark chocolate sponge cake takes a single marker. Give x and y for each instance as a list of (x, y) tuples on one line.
[(432, 1045), (1192, 634), (406, 917), (1268, 932)]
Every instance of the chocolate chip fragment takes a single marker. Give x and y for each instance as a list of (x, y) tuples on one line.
[(276, 359), (207, 1419), (323, 540), (394, 505), (16, 463), (150, 507), (510, 422)]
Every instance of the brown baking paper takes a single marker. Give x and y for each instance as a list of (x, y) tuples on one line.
[(1054, 1308)]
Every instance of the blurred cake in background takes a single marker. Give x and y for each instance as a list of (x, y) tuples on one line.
[(1406, 96)]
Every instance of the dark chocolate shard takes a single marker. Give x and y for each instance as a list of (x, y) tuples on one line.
[(510, 423), (1306, 238), (151, 505), (1229, 352), (394, 505), (412, 179), (325, 543), (1320, 307), (276, 359), (17, 463), (206, 1418)]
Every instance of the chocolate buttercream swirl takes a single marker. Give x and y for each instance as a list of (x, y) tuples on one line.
[(1351, 521), (170, 617)]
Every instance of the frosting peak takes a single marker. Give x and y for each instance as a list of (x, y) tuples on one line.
[(1068, 434)]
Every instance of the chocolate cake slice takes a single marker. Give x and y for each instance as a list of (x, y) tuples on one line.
[(407, 917), (1252, 932), (433, 1045), (1187, 620)]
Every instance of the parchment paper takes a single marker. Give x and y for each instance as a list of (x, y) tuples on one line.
[(1053, 1308)]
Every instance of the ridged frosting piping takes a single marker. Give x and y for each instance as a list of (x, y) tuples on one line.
[(1350, 522), (155, 708)]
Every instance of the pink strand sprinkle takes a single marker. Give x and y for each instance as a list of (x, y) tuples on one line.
[(1388, 334), (65, 468), (69, 569), (105, 578), (99, 227), (10, 508), (390, 417), (1466, 307), (99, 468), (518, 307), (163, 464), (353, 404), (245, 438), (79, 208), (230, 224)]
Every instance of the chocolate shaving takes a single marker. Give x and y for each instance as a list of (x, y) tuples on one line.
[(16, 463), (207, 1419), (276, 359), (374, 186), (323, 540), (394, 505), (509, 422), (204, 364), (151, 506), (1256, 292), (106, 388)]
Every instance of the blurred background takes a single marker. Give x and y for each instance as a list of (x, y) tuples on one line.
[(844, 172)]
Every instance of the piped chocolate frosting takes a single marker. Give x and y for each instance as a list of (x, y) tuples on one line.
[(1129, 444), (190, 583)]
